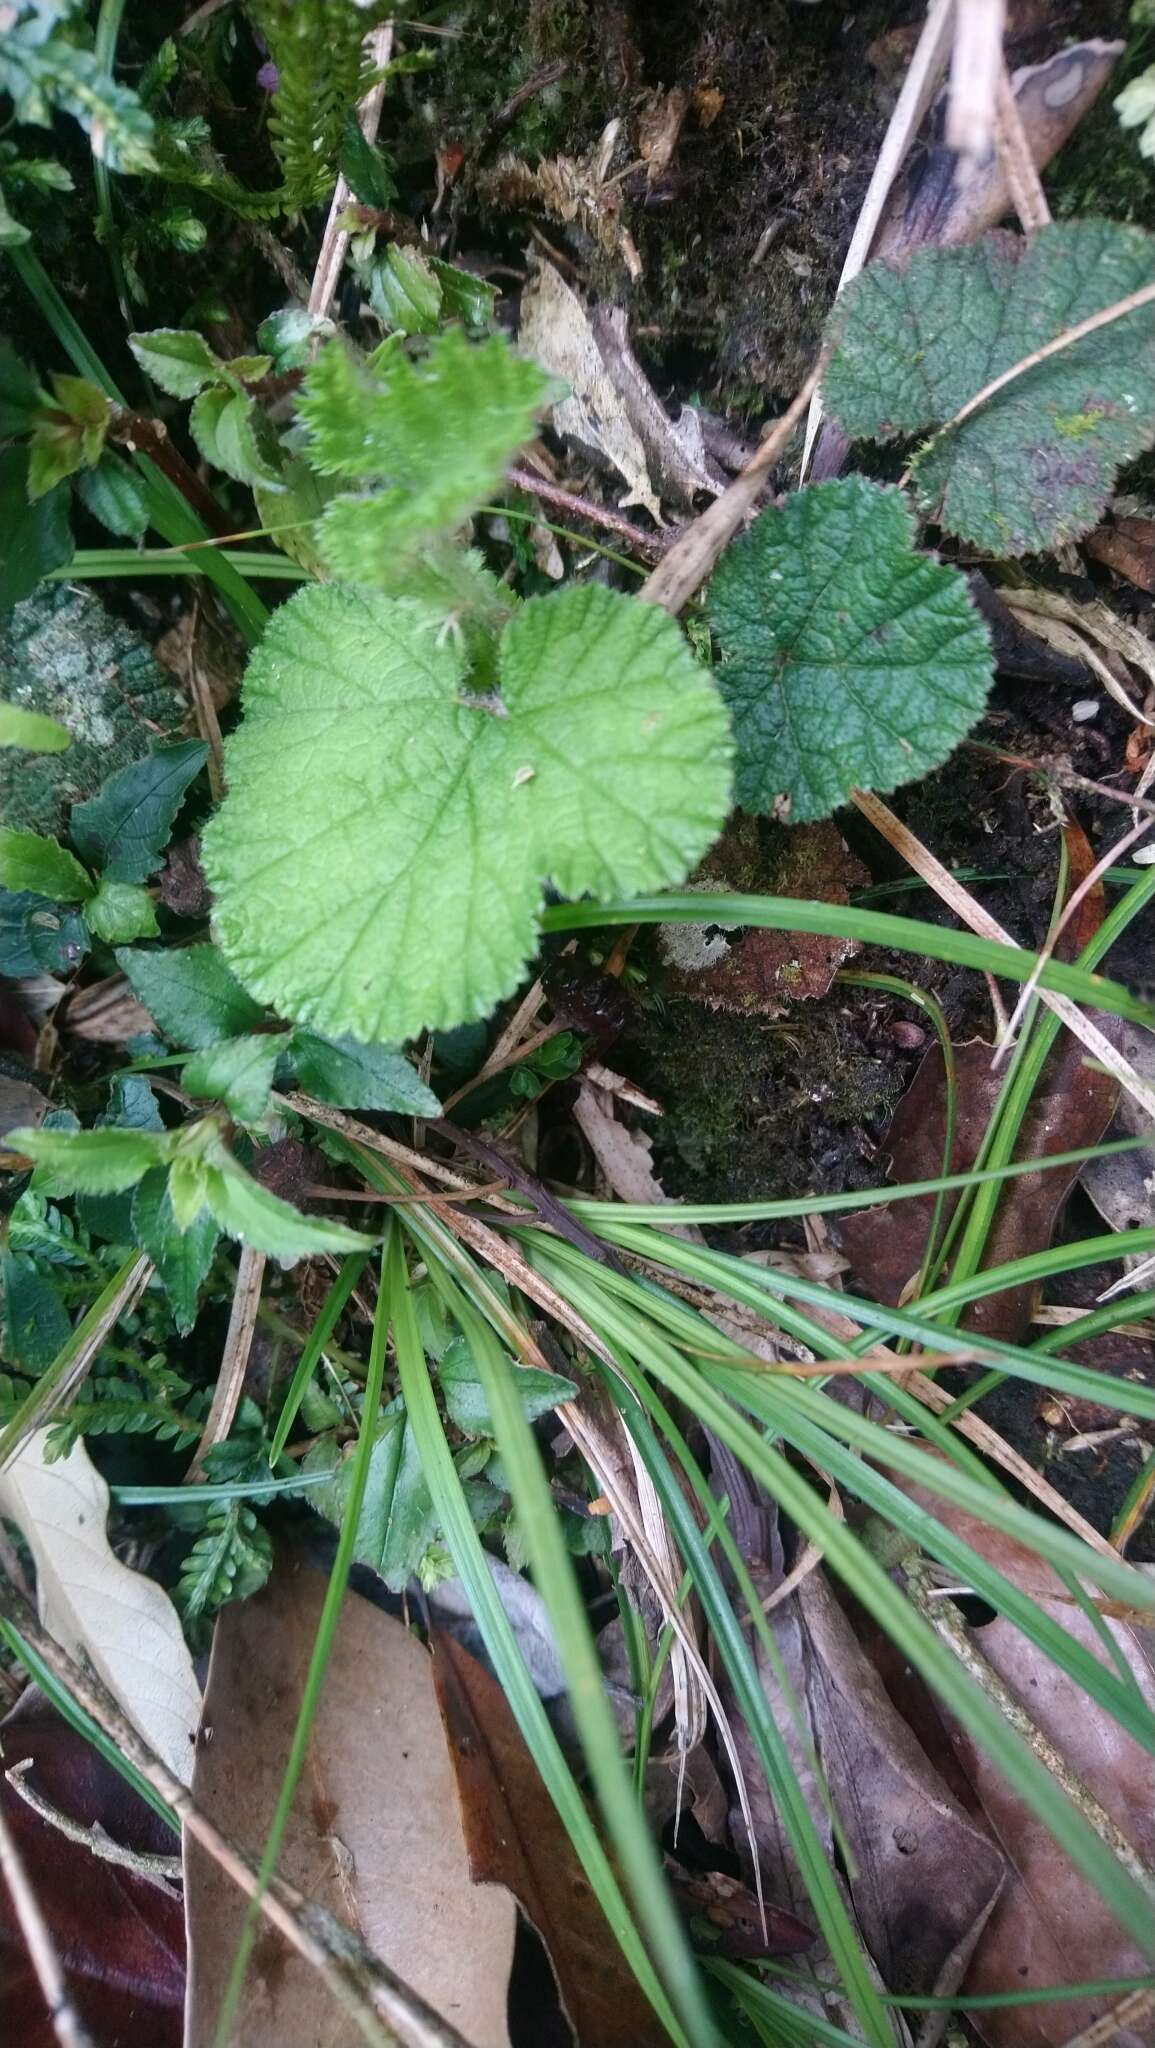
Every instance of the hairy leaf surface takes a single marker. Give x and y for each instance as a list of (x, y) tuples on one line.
[(848, 659), (1034, 465), (378, 863)]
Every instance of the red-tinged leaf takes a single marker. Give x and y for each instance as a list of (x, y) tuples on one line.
[(119, 1935), (514, 1837), (737, 1929)]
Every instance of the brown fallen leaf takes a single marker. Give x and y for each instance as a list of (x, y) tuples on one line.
[(1128, 547), (763, 972), (118, 1931), (375, 1833), (1049, 1927), (514, 1838), (924, 1874)]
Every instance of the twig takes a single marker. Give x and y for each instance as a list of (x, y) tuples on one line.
[(1133, 303), (150, 437), (584, 508), (481, 1193), (1017, 158), (335, 243), (511, 1034), (976, 61), (946, 885), (234, 1360), (93, 1838), (918, 89), (67, 2024), (688, 563), (511, 1059), (365, 1986), (1078, 895)]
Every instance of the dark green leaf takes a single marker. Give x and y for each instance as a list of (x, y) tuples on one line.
[(132, 1106), (123, 830), (403, 291), (354, 1076), (1034, 465), (848, 660), (464, 296), (35, 1321), (181, 362), (182, 1257), (288, 334), (115, 494), (193, 996), (36, 537), (20, 394), (36, 936), (364, 168)]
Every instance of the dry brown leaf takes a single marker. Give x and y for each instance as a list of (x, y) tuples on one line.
[(514, 1838), (555, 332), (1128, 547), (762, 972), (375, 1832), (1122, 1186), (121, 1623), (1049, 1926)]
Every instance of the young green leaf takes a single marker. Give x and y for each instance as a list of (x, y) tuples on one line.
[(291, 513), (354, 1076), (397, 1522), (32, 731), (288, 334), (606, 766), (223, 423), (364, 168), (115, 494), (20, 394), (124, 828), (90, 1162), (68, 433), (28, 861), (238, 1072), (404, 292), (193, 996), (120, 911), (181, 362), (1035, 464), (848, 660), (244, 1209), (182, 1257), (434, 437)]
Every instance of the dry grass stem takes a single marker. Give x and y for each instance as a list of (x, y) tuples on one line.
[(335, 244), (1019, 168), (975, 66)]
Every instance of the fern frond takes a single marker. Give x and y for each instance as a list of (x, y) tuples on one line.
[(231, 1560), (316, 46)]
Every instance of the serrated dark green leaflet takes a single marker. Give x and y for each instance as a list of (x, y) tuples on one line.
[(848, 660), (194, 997), (1034, 464), (35, 1324), (465, 1401), (124, 828), (355, 1076), (182, 1257)]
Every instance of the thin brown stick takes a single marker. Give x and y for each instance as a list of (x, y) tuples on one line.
[(1133, 303), (651, 544), (67, 2024), (365, 1986), (335, 242), (974, 70), (688, 563), (1128, 2013), (1019, 167), (474, 1194), (94, 1838), (234, 1359), (511, 1059)]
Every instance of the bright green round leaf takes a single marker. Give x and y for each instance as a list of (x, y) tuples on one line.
[(32, 731), (848, 660), (378, 863)]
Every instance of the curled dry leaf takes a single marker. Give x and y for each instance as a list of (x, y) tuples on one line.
[(556, 333), (116, 1620), (375, 1833), (1049, 1927), (1122, 1186), (514, 1838)]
